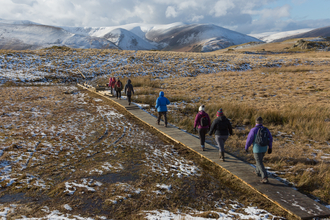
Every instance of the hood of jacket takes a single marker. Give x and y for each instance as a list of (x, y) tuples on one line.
[(222, 118), (128, 81), (202, 113), (161, 94)]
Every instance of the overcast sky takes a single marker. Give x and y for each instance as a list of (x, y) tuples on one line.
[(245, 16)]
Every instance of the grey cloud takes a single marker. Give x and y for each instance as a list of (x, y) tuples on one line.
[(234, 14)]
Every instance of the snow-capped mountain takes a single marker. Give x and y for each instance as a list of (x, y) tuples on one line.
[(124, 39), (319, 32), (274, 36), (176, 36), (200, 37), (35, 36)]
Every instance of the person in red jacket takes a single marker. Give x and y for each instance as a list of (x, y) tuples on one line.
[(113, 84), (110, 83), (203, 122)]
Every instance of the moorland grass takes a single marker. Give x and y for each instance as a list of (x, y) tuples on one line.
[(60, 165), (292, 99)]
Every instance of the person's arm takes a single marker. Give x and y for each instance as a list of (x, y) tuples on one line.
[(212, 127), (196, 120), (167, 101), (230, 128), (132, 89), (270, 143), (125, 88), (249, 140), (157, 103)]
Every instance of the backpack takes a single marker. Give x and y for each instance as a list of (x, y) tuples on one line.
[(204, 121), (262, 137), (118, 84)]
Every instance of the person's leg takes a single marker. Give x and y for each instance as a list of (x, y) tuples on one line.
[(260, 168), (159, 116), (218, 140), (223, 140), (165, 118), (201, 135), (119, 94), (129, 99)]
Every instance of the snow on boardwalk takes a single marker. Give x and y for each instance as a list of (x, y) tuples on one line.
[(281, 194)]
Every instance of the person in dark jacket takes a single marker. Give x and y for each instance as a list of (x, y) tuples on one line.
[(161, 106), (129, 90), (118, 88), (222, 128), (259, 151), (200, 118)]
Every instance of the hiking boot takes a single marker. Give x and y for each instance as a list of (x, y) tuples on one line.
[(129, 103), (264, 180), (223, 156), (157, 122), (220, 155), (257, 174), (165, 125)]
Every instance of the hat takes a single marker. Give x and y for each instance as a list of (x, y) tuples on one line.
[(219, 112), (201, 108), (259, 120)]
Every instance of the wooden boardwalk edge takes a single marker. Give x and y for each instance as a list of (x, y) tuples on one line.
[(203, 156)]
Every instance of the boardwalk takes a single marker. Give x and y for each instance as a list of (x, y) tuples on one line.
[(286, 197)]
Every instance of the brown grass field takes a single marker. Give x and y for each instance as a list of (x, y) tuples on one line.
[(69, 138), (292, 99)]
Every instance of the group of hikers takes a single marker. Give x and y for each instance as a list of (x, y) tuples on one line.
[(259, 136), (116, 87)]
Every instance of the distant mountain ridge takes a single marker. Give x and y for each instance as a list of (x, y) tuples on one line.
[(319, 32), (177, 36), (274, 36)]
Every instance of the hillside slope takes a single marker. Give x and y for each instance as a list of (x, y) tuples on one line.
[(199, 37), (319, 32), (35, 36), (175, 36)]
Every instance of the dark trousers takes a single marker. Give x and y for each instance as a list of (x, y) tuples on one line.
[(118, 93), (129, 98), (160, 115), (202, 132)]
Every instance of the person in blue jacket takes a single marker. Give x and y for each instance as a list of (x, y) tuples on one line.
[(259, 151), (161, 106)]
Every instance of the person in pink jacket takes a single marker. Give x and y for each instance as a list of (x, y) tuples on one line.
[(203, 122), (113, 83), (109, 85)]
